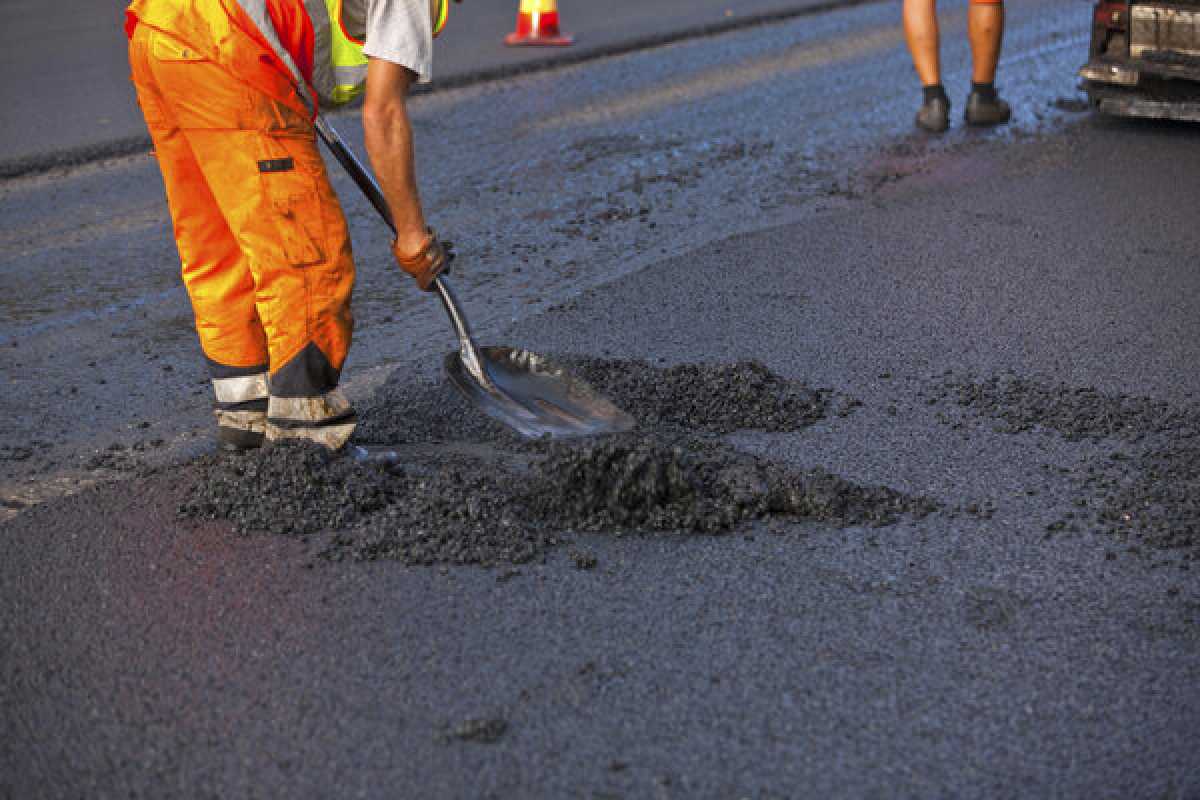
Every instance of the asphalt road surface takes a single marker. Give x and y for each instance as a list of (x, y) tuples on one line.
[(65, 74), (1006, 323)]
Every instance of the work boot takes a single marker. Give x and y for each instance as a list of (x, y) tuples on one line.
[(984, 106), (934, 114), (241, 430)]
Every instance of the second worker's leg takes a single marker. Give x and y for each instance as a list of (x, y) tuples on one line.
[(922, 35), (985, 30)]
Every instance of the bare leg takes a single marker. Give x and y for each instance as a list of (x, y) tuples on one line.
[(921, 33), (985, 30)]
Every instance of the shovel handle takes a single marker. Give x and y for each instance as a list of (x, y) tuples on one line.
[(352, 165), (468, 350)]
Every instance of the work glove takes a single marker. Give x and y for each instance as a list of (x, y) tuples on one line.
[(429, 262)]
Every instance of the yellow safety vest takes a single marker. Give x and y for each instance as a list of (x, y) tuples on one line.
[(339, 28)]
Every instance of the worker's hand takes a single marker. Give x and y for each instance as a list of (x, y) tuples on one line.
[(428, 263)]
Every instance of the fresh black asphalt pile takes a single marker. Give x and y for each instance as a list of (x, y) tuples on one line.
[(483, 496), (712, 398), (701, 398), (643, 484), (1144, 492)]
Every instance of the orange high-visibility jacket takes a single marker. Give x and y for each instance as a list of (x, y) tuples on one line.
[(313, 48)]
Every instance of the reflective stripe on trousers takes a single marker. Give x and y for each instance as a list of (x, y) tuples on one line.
[(329, 419), (241, 389)]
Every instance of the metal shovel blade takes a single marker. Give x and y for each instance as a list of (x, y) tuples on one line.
[(523, 390), (534, 396)]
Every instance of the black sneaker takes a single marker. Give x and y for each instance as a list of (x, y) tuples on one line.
[(934, 115), (982, 110)]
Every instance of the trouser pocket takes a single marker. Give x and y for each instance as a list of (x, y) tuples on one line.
[(293, 201), (165, 48)]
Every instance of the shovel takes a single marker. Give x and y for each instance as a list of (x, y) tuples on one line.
[(523, 390)]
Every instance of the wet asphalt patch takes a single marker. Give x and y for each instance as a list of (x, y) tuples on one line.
[(484, 496), (1143, 492)]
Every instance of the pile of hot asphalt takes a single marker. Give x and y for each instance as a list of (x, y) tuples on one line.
[(467, 491)]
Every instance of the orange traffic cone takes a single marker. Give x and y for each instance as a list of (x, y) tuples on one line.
[(537, 24)]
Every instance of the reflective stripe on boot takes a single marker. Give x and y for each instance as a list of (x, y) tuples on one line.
[(241, 410), (328, 420)]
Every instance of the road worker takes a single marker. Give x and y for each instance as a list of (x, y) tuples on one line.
[(985, 31), (229, 90)]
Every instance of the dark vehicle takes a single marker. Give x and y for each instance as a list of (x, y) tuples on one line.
[(1144, 59)]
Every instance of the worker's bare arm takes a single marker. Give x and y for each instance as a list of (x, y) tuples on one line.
[(388, 135)]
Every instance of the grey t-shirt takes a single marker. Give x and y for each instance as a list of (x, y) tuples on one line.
[(401, 31)]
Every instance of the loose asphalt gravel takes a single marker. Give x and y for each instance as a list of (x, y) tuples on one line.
[(1142, 491), (508, 501), (986, 342)]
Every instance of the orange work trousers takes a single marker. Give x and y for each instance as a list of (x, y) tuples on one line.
[(262, 239)]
